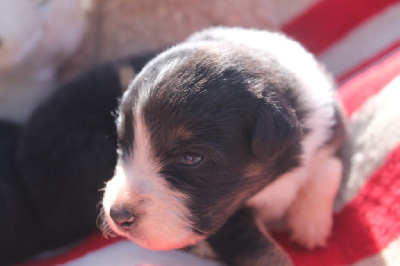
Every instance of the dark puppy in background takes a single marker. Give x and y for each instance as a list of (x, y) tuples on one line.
[(220, 135), (65, 153)]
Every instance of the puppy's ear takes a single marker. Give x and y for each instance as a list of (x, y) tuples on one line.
[(276, 128)]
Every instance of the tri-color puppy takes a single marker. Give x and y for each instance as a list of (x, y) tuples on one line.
[(221, 134)]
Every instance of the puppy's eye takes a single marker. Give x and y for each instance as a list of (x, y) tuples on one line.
[(191, 159)]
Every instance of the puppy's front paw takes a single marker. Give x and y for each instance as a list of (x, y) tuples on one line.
[(311, 230), (311, 216)]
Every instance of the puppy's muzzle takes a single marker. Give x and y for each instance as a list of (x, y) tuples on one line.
[(123, 217)]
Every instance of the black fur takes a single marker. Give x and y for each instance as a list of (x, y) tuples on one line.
[(243, 111), (68, 150), (232, 113), (240, 242), (18, 232)]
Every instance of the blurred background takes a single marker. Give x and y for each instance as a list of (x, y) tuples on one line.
[(343, 34)]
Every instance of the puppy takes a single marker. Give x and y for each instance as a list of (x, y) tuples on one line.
[(220, 135)]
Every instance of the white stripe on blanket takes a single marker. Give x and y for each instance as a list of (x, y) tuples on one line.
[(374, 131), (364, 42)]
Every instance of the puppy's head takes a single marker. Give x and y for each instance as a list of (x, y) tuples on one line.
[(199, 134)]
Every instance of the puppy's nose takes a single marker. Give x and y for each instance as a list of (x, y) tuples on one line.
[(123, 217)]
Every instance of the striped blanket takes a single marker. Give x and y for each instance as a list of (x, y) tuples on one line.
[(359, 42)]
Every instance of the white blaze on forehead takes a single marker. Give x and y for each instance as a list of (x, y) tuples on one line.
[(142, 163), (140, 172), (163, 221)]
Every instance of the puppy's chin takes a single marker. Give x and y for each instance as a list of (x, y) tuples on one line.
[(159, 238)]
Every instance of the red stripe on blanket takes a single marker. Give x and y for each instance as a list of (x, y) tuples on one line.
[(365, 226), (329, 20), (370, 62), (359, 89), (89, 244)]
